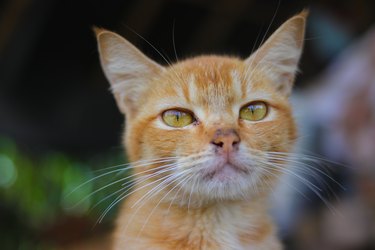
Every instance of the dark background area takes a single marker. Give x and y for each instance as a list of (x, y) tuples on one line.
[(53, 94), (55, 98)]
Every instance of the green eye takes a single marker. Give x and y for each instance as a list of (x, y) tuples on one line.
[(254, 111), (177, 118)]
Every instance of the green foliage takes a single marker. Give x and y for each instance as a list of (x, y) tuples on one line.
[(39, 190)]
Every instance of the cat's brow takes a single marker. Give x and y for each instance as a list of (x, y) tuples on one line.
[(191, 88), (257, 95), (236, 83), (172, 102)]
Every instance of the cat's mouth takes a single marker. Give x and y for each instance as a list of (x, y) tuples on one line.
[(225, 171)]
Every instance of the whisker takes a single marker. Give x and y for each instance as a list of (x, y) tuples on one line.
[(164, 167), (191, 192), (164, 57), (93, 179), (284, 182), (272, 20), (126, 188), (308, 168), (316, 190), (113, 182), (261, 43), (111, 172), (300, 161), (145, 196), (151, 193), (139, 207), (173, 40), (181, 165), (130, 185), (178, 191), (159, 202), (311, 158), (134, 164), (285, 170), (150, 44), (121, 197)]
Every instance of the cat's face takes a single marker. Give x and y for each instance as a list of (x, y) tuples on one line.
[(207, 125)]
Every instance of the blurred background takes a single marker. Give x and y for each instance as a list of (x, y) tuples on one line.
[(59, 125)]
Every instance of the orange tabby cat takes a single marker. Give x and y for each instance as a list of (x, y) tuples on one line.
[(203, 135)]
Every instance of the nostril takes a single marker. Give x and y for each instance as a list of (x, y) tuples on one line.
[(219, 144), (226, 140)]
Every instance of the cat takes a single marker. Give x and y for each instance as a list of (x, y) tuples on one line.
[(206, 138)]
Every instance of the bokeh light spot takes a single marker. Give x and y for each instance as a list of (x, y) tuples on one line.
[(8, 172)]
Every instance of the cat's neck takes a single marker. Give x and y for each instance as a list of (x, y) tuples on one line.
[(220, 225)]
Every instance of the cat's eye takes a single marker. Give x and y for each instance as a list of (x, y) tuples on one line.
[(254, 111), (177, 118)]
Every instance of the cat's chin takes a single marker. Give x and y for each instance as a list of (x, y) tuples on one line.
[(226, 182)]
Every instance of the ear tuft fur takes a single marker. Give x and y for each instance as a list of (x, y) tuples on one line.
[(128, 70), (279, 55)]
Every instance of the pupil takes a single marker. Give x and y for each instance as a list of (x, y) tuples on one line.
[(252, 109)]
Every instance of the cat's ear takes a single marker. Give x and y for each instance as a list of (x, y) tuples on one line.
[(128, 70), (279, 55)]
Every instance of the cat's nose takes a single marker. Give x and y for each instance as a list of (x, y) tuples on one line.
[(226, 140)]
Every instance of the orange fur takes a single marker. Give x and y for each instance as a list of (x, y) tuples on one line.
[(217, 199)]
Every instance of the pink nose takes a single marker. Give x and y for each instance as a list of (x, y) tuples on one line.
[(226, 140)]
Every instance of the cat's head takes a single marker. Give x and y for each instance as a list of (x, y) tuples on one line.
[(207, 125)]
